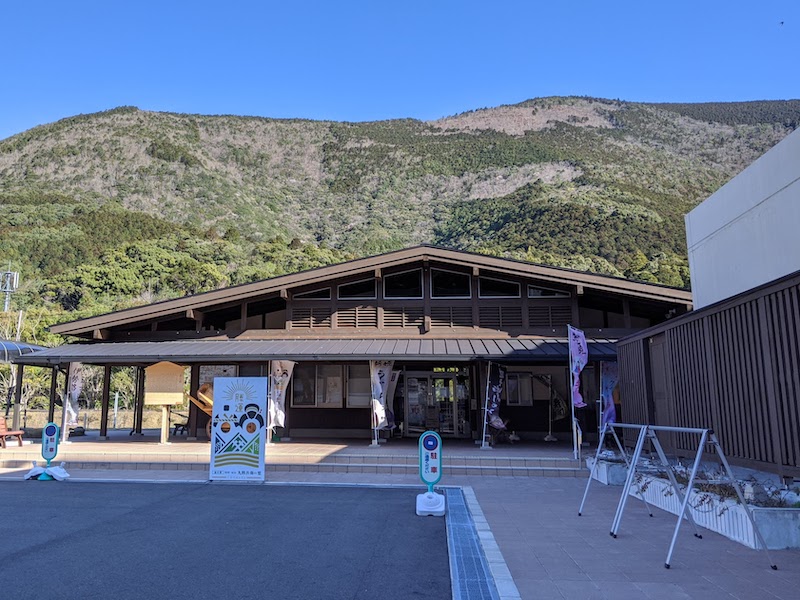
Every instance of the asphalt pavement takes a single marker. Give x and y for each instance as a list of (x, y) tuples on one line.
[(187, 540)]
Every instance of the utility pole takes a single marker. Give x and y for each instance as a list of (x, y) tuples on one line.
[(9, 285)]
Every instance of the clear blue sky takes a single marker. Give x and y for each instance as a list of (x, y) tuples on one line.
[(372, 60)]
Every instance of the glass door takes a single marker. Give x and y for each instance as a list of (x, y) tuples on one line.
[(416, 401), (444, 394)]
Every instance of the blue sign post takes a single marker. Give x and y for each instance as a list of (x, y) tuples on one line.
[(430, 471)]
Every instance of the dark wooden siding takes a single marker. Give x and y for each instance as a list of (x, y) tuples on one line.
[(733, 367)]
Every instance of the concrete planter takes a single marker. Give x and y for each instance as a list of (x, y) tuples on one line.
[(780, 527), (609, 473)]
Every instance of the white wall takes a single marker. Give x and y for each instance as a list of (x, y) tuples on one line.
[(748, 232)]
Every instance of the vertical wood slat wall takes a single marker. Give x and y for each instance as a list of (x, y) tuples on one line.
[(733, 367)]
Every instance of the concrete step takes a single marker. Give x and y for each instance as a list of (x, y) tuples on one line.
[(401, 465)]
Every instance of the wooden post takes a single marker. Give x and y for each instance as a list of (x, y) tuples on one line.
[(194, 384), (164, 424), (51, 410), (139, 399), (104, 402)]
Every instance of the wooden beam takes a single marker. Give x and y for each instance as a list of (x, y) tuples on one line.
[(378, 274), (51, 409), (100, 334), (283, 293), (476, 271), (579, 290)]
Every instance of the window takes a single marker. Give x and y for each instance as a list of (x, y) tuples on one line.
[(540, 292), (497, 288), (359, 390), (403, 285), (519, 391), (317, 386), (358, 290), (329, 386), (322, 294), (447, 284), (303, 380)]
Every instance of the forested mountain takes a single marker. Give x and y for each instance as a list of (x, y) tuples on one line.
[(127, 206)]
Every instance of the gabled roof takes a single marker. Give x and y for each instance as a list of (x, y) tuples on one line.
[(243, 292)]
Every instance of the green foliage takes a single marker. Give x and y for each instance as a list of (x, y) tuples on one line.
[(167, 151), (124, 207)]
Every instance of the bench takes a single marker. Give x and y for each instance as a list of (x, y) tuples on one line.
[(5, 433)]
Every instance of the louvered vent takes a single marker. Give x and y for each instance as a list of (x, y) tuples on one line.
[(549, 316), (403, 317), (357, 316), (414, 317), (489, 316), (461, 316), (511, 316), (440, 316), (321, 318), (311, 318), (393, 317), (301, 318), (560, 315), (347, 317), (367, 316), (539, 316)]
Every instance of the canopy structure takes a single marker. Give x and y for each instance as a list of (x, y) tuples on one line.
[(512, 349), (9, 350)]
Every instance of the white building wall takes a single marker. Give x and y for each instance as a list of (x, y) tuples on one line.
[(748, 232)]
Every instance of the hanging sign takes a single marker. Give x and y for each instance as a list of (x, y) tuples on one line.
[(430, 458), (238, 428)]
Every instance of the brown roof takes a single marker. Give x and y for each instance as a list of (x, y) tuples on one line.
[(593, 281)]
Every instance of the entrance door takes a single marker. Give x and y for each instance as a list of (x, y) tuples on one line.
[(433, 404)]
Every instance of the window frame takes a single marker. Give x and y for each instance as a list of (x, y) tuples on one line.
[(558, 293), (349, 403), (300, 296), (315, 390), (430, 279), (517, 283), (360, 298), (421, 285)]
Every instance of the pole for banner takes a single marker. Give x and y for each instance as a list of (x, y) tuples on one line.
[(572, 406), (270, 402), (484, 445)]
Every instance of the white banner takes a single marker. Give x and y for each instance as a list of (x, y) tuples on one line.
[(75, 387), (238, 428), (380, 375), (578, 356), (280, 373)]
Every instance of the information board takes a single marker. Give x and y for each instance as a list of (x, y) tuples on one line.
[(238, 428)]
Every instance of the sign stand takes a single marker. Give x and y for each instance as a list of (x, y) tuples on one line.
[(50, 438), (430, 471), (707, 437)]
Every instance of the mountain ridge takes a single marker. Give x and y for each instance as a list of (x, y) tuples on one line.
[(585, 183)]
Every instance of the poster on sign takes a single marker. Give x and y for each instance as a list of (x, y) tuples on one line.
[(238, 428)]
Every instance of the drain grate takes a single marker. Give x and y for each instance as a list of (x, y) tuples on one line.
[(469, 570)]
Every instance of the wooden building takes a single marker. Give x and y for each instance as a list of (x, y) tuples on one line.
[(440, 315)]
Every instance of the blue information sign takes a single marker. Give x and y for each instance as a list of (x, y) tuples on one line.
[(430, 458), (50, 442)]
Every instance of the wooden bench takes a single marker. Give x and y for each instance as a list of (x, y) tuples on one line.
[(5, 433)]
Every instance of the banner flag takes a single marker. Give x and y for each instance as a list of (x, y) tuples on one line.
[(238, 428), (609, 378), (380, 376), (578, 356), (75, 387), (280, 374), (494, 389)]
